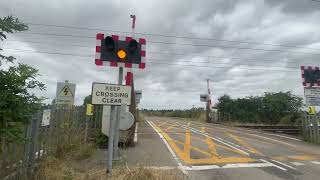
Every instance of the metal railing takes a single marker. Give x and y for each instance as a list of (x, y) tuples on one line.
[(311, 127), (66, 124)]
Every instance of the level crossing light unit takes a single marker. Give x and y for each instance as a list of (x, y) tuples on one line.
[(120, 51)]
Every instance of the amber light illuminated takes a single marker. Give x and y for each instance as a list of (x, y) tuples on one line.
[(121, 54)]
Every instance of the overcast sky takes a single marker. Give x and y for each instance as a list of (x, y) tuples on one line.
[(245, 47)]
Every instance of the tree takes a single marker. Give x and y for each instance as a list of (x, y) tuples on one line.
[(278, 105), (9, 25), (225, 105), (17, 103), (87, 100), (269, 109)]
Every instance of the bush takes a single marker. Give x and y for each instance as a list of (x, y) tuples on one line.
[(101, 140)]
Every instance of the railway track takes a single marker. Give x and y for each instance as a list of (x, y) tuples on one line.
[(284, 129)]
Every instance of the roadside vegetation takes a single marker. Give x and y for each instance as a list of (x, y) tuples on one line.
[(271, 108), (17, 82), (197, 114), (67, 163)]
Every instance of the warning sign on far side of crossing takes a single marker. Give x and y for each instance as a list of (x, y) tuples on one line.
[(312, 96), (65, 93), (312, 92), (110, 94)]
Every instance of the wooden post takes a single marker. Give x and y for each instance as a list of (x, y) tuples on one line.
[(207, 112)]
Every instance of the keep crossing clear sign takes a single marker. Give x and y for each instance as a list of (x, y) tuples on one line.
[(65, 93), (110, 94)]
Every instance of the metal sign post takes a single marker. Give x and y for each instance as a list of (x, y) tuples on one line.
[(110, 140), (114, 95), (118, 111)]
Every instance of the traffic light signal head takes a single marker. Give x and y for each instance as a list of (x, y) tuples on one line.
[(127, 52), (109, 43), (133, 46), (310, 76)]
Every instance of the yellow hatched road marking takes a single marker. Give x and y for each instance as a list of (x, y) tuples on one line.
[(211, 147), (184, 154), (170, 127), (210, 144), (221, 161), (161, 124), (170, 141), (187, 143), (245, 144), (194, 148), (217, 145)]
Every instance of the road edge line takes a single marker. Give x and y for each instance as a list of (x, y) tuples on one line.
[(180, 166), (283, 164), (274, 165), (135, 138), (270, 139)]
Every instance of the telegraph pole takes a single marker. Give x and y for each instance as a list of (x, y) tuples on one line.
[(208, 107)]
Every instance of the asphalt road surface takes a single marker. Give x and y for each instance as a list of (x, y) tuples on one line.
[(211, 151)]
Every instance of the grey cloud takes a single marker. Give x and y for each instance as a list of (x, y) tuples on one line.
[(163, 85), (295, 7)]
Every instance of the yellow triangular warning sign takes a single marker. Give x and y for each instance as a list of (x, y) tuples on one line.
[(312, 110), (66, 92)]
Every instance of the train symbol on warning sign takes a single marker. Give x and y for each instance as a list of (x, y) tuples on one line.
[(65, 93)]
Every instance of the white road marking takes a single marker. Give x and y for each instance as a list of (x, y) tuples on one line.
[(135, 138), (162, 167), (274, 165), (229, 142), (315, 162), (180, 166), (247, 165), (236, 145), (283, 164), (218, 140), (227, 166), (199, 168), (255, 131), (274, 140), (297, 163), (184, 169), (283, 136)]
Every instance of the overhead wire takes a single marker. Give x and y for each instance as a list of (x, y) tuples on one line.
[(172, 36), (180, 44), (289, 61), (175, 64)]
